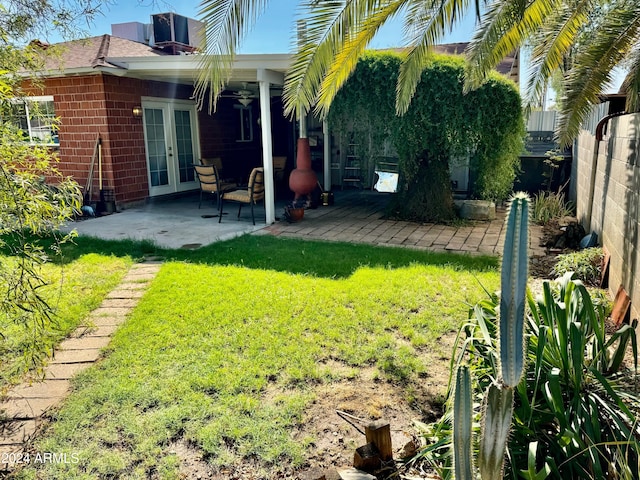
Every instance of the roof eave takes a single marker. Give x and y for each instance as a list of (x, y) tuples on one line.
[(66, 72)]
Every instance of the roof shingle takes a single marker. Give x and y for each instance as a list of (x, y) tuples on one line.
[(93, 51)]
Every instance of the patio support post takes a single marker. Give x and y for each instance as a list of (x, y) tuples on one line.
[(265, 79), (327, 155), (267, 153)]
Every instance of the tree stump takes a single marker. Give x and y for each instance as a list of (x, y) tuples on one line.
[(379, 433)]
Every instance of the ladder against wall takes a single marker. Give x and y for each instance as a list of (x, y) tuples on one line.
[(352, 173)]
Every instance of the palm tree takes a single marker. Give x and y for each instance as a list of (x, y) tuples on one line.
[(585, 39), (333, 34), (331, 37)]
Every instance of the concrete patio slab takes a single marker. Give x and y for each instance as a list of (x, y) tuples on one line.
[(177, 223)]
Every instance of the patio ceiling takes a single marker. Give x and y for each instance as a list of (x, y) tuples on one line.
[(184, 69)]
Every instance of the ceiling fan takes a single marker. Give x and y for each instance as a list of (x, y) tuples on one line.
[(244, 95)]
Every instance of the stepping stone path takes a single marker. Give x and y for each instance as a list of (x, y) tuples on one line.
[(22, 411)]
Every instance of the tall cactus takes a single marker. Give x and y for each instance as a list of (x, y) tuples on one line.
[(498, 409), (462, 421), (498, 401), (513, 283)]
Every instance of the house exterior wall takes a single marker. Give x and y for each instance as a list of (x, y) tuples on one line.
[(98, 105), (126, 147), (79, 104), (615, 213), (219, 137), (101, 105)]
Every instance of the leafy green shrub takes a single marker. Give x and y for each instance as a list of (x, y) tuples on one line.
[(550, 205), (585, 264), (573, 413), (441, 123)]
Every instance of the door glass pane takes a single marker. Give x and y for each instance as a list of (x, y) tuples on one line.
[(156, 147), (184, 145)]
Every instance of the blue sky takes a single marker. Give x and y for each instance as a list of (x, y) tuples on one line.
[(271, 34)]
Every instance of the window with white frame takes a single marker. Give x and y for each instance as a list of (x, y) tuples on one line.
[(246, 123), (36, 117)]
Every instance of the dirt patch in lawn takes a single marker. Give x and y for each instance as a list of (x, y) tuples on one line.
[(334, 422)]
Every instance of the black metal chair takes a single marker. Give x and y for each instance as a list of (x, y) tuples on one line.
[(210, 182), (246, 196)]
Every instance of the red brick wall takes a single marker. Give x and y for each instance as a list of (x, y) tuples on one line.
[(79, 102), (101, 105)]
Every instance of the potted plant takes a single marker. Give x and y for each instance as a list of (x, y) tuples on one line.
[(294, 212)]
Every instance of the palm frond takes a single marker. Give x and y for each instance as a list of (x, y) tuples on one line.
[(327, 27), (503, 28), (426, 23), (551, 48), (226, 22), (631, 84), (592, 71), (347, 58)]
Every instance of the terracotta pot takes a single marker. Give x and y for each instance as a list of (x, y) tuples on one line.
[(303, 179), (295, 214)]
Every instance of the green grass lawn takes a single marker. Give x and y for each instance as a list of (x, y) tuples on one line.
[(74, 290), (228, 345)]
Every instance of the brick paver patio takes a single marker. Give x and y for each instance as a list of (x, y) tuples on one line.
[(357, 216)]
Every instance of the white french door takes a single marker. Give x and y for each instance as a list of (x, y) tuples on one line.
[(171, 141)]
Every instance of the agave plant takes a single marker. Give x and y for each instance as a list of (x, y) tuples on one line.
[(563, 405)]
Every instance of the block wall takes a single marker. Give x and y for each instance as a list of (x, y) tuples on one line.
[(613, 167)]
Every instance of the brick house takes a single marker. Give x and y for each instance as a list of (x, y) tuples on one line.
[(138, 101)]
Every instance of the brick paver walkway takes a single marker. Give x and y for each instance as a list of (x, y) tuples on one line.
[(26, 404), (357, 217)]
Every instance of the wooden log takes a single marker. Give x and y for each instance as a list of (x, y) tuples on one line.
[(379, 433), (367, 458), (314, 474), (354, 474)]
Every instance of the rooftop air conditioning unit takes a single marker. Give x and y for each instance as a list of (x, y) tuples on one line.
[(171, 29), (136, 31)]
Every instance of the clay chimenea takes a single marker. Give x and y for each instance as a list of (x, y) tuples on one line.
[(303, 179)]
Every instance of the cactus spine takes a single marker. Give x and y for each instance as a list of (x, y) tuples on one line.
[(462, 420), (498, 401)]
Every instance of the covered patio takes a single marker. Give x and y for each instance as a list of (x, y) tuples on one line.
[(356, 216), (253, 77)]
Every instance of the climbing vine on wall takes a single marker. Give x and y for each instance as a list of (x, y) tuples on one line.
[(442, 123)]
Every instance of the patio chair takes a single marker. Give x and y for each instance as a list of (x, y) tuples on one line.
[(210, 182), (216, 162), (279, 164), (250, 195)]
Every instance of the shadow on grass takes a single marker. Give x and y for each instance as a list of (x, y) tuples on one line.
[(316, 258)]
